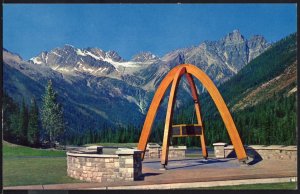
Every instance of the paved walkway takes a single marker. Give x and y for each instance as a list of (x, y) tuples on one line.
[(193, 163), (192, 171)]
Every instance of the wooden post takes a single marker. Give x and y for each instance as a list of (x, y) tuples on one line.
[(198, 112), (150, 117), (169, 116)]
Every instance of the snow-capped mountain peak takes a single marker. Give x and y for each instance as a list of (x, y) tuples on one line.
[(144, 56), (221, 59), (113, 55)]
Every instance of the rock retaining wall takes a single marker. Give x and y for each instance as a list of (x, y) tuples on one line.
[(272, 152), (125, 165), (174, 152)]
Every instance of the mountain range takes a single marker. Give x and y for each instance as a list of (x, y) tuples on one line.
[(262, 98), (100, 87)]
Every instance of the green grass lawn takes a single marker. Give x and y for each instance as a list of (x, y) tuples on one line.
[(13, 150), (272, 186), (35, 171), (28, 166)]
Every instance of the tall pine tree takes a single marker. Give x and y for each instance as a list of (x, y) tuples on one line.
[(52, 115)]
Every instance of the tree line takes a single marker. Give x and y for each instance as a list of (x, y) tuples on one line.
[(20, 123), (31, 126), (269, 122)]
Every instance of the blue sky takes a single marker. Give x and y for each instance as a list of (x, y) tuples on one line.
[(131, 28)]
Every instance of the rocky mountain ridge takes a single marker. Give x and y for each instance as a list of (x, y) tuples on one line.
[(96, 84), (220, 59)]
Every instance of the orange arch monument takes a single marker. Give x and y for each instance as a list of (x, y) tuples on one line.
[(173, 77)]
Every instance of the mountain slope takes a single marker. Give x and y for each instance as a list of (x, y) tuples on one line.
[(283, 83), (261, 97), (89, 98), (264, 68), (98, 87)]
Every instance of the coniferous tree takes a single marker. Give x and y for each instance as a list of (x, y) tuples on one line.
[(10, 109), (33, 125), (23, 123), (15, 133), (52, 115)]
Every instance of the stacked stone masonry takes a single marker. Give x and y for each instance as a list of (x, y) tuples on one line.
[(174, 152), (219, 149), (125, 166), (272, 152)]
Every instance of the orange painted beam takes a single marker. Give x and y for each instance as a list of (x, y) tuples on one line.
[(198, 112), (169, 115), (222, 108), (150, 117)]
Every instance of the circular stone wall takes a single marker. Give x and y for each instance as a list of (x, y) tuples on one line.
[(125, 165)]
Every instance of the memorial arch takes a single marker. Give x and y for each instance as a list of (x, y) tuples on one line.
[(173, 78)]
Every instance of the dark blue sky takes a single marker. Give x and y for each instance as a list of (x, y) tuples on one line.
[(128, 29)]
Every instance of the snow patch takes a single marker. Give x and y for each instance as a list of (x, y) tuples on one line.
[(80, 64), (98, 69), (88, 84), (104, 69), (55, 53), (133, 100), (36, 60), (63, 69), (231, 68), (55, 68), (123, 64), (101, 69), (92, 55), (79, 52), (88, 69)]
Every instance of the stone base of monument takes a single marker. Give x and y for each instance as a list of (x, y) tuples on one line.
[(153, 150), (91, 165), (257, 152), (219, 149)]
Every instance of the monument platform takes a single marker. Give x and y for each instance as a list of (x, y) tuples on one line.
[(192, 172)]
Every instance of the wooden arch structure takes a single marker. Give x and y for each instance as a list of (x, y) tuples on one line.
[(174, 77)]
